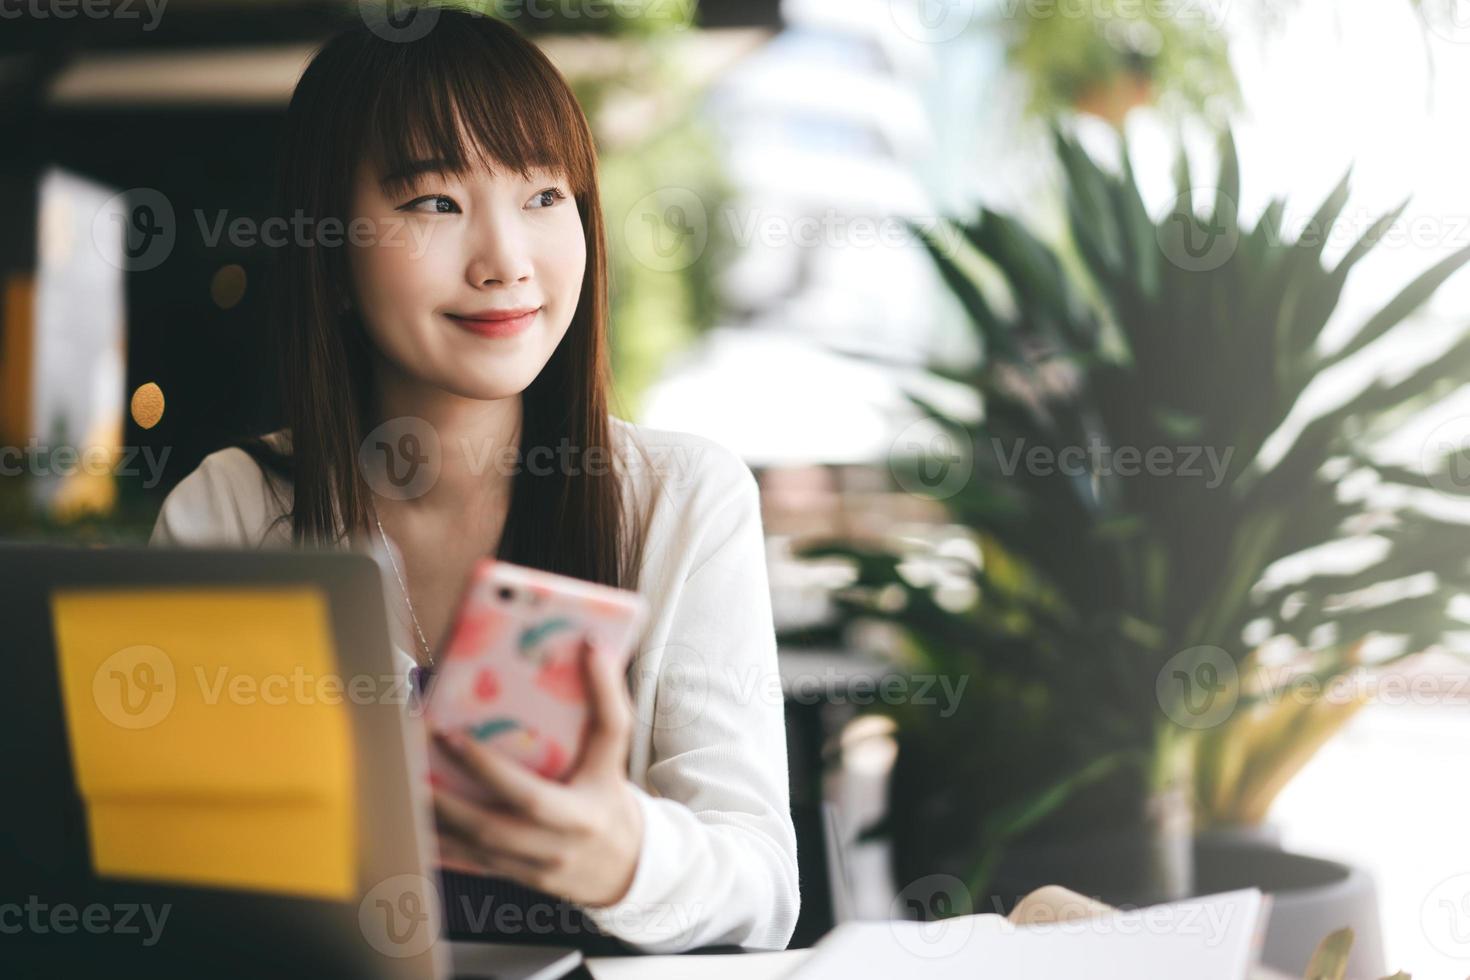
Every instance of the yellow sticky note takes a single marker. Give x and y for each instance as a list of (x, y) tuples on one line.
[(210, 736)]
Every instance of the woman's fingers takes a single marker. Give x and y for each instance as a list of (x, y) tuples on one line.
[(459, 855), (1053, 903), (456, 855), (489, 833), (610, 718), (519, 788)]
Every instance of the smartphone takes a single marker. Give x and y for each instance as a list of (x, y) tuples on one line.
[(511, 673)]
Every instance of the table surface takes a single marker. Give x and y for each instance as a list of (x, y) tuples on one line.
[(739, 966), (730, 966), (751, 966)]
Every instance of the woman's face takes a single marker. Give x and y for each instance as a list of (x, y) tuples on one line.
[(443, 264)]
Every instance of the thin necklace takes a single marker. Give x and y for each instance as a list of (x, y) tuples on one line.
[(401, 585)]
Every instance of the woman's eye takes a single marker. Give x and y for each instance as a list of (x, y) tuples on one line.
[(547, 198), (439, 204)]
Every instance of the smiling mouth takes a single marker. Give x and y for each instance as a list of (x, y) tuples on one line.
[(496, 323)]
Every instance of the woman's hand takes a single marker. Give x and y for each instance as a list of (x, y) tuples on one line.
[(1053, 903), (579, 839)]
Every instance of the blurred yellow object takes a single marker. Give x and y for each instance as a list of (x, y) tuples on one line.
[(147, 405), (227, 287), (16, 351), (1242, 765), (91, 488), (207, 745)]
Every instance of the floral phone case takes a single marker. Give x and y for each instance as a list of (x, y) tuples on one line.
[(511, 675)]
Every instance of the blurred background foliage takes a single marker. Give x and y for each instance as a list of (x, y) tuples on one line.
[(1108, 56)]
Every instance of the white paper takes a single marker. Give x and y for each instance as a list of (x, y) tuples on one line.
[(1210, 938)]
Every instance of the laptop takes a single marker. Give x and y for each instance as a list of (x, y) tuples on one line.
[(61, 916)]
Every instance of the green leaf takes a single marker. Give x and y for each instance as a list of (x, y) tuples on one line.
[(1183, 184), (1041, 288), (1409, 299), (1092, 218), (1138, 232), (1330, 961), (1227, 195), (993, 333), (1318, 308), (1326, 433), (1017, 818)]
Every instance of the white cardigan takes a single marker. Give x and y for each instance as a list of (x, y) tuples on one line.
[(708, 760)]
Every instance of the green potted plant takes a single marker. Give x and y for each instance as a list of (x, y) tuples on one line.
[(1127, 505), (1105, 58)]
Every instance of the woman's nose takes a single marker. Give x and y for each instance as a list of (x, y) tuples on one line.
[(500, 255)]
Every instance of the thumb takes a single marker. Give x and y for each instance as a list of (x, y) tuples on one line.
[(610, 716)]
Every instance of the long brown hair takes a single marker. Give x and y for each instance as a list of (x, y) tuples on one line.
[(470, 92)]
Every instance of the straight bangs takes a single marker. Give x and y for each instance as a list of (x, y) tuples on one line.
[(458, 101)]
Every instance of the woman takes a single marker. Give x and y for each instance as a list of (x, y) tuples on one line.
[(441, 322)]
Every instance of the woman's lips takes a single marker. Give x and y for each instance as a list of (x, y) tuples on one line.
[(496, 323)]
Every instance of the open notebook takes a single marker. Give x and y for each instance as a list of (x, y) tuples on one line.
[(1211, 938)]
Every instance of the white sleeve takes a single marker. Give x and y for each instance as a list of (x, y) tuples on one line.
[(204, 508), (718, 859)]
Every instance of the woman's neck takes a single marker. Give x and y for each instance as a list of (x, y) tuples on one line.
[(478, 442)]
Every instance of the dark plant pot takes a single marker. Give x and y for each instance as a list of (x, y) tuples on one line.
[(1311, 897), (1120, 868), (1142, 863), (1262, 834)]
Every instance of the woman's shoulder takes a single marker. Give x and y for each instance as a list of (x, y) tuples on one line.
[(695, 496), (692, 469), (230, 497), (262, 460)]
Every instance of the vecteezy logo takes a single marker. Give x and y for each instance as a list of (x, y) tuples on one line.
[(1199, 687), (407, 450), (1445, 916), (929, 460), (668, 229), (401, 458), (681, 676), (1197, 244), (1444, 457), (135, 687), (932, 21), (398, 915), (145, 219), (398, 20), (943, 906), (1450, 19)]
